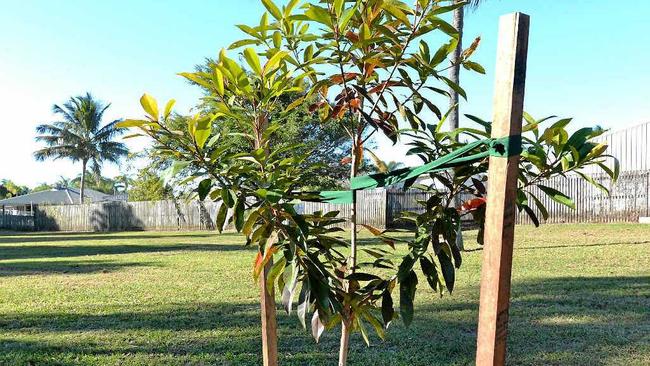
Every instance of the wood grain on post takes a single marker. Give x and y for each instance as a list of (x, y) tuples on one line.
[(510, 77), (269, 322)]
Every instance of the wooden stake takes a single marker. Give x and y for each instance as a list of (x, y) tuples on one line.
[(510, 80), (269, 322)]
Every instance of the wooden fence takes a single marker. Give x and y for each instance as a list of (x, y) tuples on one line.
[(16, 222), (629, 200), (117, 216), (371, 208)]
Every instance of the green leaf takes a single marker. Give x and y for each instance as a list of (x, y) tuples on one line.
[(593, 182), (242, 43), (195, 78), (227, 197), (247, 229), (448, 272), (455, 87), (531, 214), (202, 131), (274, 61), (396, 12), (429, 270), (319, 15), (407, 289), (274, 273), (470, 65), (218, 81), (303, 304), (387, 310), (221, 216), (273, 9), (168, 108), (558, 196), (239, 213), (540, 206), (150, 106), (253, 60), (204, 188), (271, 196), (131, 123), (287, 10)]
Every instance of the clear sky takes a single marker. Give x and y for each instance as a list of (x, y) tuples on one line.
[(588, 59)]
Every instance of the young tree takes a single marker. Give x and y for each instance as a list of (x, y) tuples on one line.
[(369, 69), (80, 136), (257, 185)]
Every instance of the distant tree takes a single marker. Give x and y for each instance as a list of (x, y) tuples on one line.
[(95, 182), (63, 182), (458, 21), (10, 189), (42, 187), (148, 186), (80, 136), (121, 183)]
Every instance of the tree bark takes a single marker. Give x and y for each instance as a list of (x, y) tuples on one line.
[(83, 181), (454, 75), (267, 293), (346, 326), (454, 72)]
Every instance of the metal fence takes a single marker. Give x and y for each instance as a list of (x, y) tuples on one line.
[(629, 200)]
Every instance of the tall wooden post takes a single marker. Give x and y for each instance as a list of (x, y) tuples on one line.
[(510, 79), (267, 293), (269, 321)]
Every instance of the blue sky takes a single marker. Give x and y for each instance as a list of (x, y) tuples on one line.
[(587, 59)]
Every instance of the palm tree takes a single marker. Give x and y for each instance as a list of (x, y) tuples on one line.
[(80, 136), (454, 72), (63, 182)]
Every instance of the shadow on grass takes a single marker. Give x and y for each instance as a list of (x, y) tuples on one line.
[(13, 237), (559, 321), (57, 251), (585, 245), (28, 268)]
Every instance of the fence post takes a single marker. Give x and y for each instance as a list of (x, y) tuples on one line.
[(510, 77)]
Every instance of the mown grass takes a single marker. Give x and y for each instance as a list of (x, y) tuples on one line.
[(581, 296)]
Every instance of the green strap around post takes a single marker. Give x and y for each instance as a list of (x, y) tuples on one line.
[(499, 147), (505, 147)]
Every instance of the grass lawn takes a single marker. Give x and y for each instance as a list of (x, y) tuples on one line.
[(581, 296)]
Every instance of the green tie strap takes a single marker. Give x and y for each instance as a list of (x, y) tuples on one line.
[(498, 147)]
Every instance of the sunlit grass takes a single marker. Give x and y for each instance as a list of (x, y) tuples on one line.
[(581, 297)]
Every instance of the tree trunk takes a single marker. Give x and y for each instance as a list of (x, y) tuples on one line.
[(267, 293), (346, 327), (83, 181), (454, 75), (454, 72)]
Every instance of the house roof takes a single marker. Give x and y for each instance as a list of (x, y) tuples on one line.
[(65, 196)]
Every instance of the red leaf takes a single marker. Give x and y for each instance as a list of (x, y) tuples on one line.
[(473, 204)]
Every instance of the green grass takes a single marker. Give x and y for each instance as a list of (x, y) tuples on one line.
[(581, 296)]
